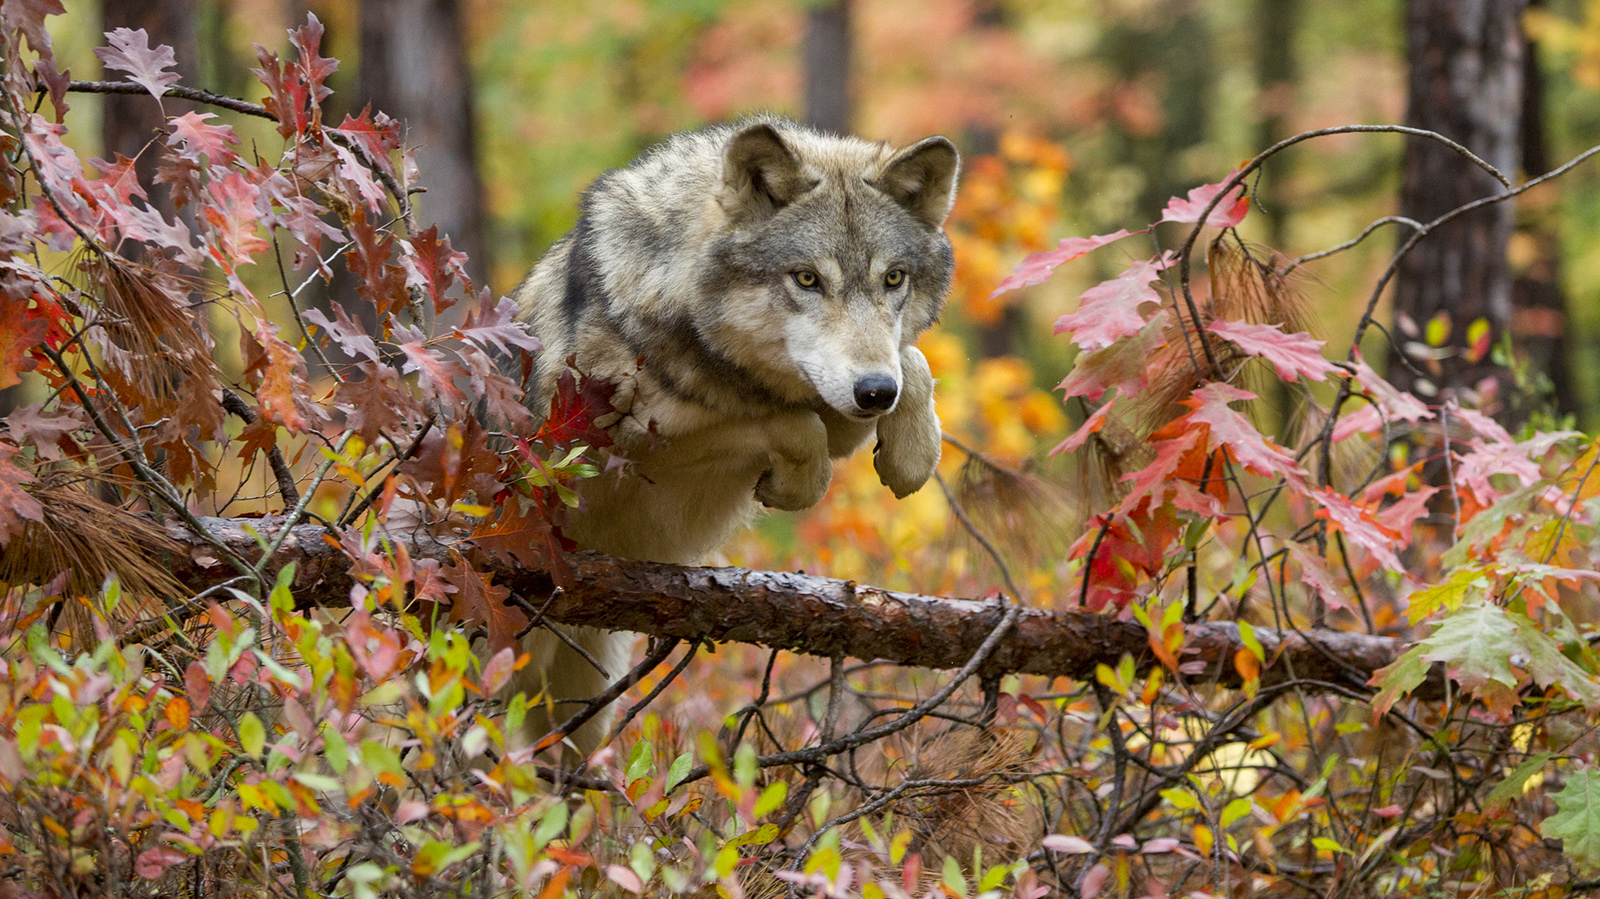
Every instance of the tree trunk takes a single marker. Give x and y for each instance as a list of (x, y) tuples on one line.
[(131, 123), (1466, 71), (827, 67), (414, 67), (1539, 316)]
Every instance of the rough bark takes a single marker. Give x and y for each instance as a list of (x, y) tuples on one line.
[(827, 67), (414, 67), (824, 616), (1465, 82)]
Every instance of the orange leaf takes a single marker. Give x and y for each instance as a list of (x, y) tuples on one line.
[(1246, 663), (177, 713), (557, 884)]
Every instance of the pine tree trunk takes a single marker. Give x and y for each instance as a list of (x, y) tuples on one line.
[(129, 123), (1539, 307), (827, 67), (1466, 71), (414, 67)]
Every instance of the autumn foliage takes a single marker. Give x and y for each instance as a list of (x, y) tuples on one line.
[(1214, 462)]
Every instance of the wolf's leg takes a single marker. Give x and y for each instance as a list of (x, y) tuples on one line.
[(909, 437), (801, 468), (845, 434), (569, 679)]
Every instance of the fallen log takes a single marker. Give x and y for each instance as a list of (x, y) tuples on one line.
[(822, 616)]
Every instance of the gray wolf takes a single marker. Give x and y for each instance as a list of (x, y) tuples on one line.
[(753, 291)]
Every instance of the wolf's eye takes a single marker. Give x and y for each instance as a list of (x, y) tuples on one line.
[(894, 278), (807, 279)]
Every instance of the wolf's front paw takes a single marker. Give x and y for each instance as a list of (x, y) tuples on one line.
[(909, 438), (800, 469)]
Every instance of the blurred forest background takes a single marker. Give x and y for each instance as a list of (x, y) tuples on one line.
[(1076, 117)]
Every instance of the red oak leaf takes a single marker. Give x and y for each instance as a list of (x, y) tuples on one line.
[(1314, 574), (307, 39), (296, 89), (1229, 212), (290, 208), (358, 178), (1389, 405), (1293, 356), (478, 601), (1091, 425), (1110, 310), (377, 280), (502, 395), (577, 402), (16, 504), (27, 16), (19, 334), (284, 395), (1182, 453), (1124, 551), (1125, 365), (233, 217), (433, 266), (377, 402), (435, 372), (351, 337), (287, 97), (1232, 430), (1360, 525), (202, 143), (1486, 427), (117, 180), (523, 533), (130, 52), (1037, 268), (47, 432), (377, 136), (151, 863), (495, 325)]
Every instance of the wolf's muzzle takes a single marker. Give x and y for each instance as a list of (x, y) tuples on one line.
[(876, 393)]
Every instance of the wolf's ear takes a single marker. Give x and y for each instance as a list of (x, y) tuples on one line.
[(922, 178), (760, 173)]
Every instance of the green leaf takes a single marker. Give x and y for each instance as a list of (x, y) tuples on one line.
[(771, 798), (1577, 822), (551, 826), (252, 735), (1247, 636), (761, 836), (1327, 844), (1463, 584), (679, 770), (1235, 810), (952, 877), (335, 749), (1437, 331), (1398, 678), (1512, 786), (1481, 646)]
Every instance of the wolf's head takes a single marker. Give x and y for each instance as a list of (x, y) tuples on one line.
[(833, 258)]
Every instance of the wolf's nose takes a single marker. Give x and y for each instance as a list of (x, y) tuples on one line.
[(876, 393)]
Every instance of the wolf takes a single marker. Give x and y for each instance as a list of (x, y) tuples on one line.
[(753, 292)]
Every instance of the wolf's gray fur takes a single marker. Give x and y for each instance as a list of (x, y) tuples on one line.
[(754, 292)]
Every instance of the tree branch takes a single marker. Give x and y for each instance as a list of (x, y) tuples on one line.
[(820, 616)]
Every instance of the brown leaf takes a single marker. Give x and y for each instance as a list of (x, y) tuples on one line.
[(522, 533), (477, 601), (16, 504)]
